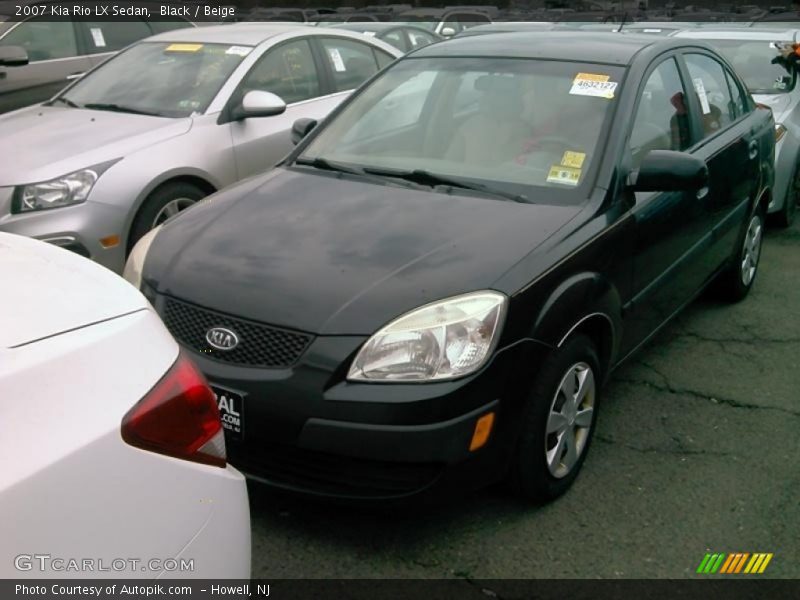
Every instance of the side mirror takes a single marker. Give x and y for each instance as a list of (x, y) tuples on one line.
[(301, 128), (259, 104), (448, 32), (670, 171), (13, 56)]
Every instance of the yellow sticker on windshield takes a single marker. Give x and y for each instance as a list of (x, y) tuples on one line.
[(183, 48), (593, 84), (564, 175), (573, 159)]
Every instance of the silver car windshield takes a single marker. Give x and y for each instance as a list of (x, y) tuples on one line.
[(158, 78), (512, 124), (752, 60)]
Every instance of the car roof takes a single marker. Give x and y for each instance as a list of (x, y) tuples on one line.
[(588, 47), (735, 33), (248, 33), (367, 25)]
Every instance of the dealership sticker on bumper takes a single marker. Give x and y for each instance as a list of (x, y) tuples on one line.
[(231, 411)]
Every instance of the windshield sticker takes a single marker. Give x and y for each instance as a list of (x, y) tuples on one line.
[(97, 37), (701, 94), (183, 48), (238, 50), (591, 84), (573, 159), (336, 57), (564, 175)]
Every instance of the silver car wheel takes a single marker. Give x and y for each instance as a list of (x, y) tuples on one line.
[(751, 250), (172, 208), (570, 419)]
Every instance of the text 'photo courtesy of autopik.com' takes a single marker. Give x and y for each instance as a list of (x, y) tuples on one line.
[(395, 299)]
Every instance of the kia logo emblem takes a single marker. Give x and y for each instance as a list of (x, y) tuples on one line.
[(222, 339)]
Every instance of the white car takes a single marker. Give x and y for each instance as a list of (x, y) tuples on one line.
[(112, 456)]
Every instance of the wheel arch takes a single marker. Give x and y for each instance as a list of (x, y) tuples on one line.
[(192, 176), (586, 303)]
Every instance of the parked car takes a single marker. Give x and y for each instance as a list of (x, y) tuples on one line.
[(410, 303), (59, 51), (445, 22), (507, 27), (750, 52), (165, 123), (402, 36), (111, 447)]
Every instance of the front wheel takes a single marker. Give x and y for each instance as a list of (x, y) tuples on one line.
[(163, 203), (737, 281), (559, 422)]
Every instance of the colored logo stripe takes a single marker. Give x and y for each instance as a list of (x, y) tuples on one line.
[(734, 563)]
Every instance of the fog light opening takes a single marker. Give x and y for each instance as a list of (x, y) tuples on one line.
[(483, 428)]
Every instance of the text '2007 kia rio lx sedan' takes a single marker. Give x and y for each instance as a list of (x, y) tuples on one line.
[(431, 290)]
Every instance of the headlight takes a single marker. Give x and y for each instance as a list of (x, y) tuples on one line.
[(443, 340), (135, 263), (62, 191)]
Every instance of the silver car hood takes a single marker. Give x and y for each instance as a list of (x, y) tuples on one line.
[(779, 103), (39, 143)]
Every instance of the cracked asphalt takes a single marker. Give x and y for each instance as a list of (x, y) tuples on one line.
[(697, 450)]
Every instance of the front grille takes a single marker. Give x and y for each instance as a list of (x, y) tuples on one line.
[(259, 345), (332, 474)]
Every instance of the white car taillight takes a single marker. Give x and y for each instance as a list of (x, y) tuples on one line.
[(179, 418)]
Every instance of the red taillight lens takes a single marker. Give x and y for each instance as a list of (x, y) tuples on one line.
[(178, 417)]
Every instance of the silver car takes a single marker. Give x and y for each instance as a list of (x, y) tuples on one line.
[(166, 122), (751, 51)]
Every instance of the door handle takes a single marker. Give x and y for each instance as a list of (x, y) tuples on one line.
[(72, 76), (753, 149)]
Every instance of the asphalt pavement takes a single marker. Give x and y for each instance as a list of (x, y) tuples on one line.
[(697, 450)]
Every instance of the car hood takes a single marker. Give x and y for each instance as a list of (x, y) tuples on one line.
[(779, 103), (52, 290), (330, 255), (42, 142)]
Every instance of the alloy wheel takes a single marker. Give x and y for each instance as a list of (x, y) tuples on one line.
[(570, 419), (751, 251), (170, 209)]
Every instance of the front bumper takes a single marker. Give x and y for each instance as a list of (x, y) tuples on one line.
[(307, 429), (78, 228)]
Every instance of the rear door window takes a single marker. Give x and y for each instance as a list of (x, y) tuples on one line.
[(350, 62)]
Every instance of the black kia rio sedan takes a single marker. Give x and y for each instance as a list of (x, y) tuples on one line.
[(430, 291)]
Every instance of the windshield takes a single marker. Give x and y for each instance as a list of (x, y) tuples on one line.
[(513, 124), (752, 61), (159, 78), (425, 21)]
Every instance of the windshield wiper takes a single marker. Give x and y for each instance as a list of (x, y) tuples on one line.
[(337, 167), (119, 108), (64, 100), (423, 177), (327, 165)]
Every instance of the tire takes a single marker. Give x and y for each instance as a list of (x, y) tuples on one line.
[(162, 203), (539, 471), (785, 218), (737, 280)]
